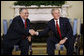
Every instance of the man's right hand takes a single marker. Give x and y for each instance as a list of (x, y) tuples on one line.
[(32, 32)]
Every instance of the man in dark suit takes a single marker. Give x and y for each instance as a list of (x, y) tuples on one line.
[(18, 34), (62, 33)]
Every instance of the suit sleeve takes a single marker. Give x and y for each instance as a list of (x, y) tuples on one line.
[(19, 29), (45, 31), (69, 30)]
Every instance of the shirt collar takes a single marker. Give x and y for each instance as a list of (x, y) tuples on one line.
[(56, 20), (23, 20)]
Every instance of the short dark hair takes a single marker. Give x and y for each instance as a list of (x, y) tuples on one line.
[(21, 9)]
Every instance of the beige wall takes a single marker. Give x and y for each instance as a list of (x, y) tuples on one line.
[(74, 11), (7, 12)]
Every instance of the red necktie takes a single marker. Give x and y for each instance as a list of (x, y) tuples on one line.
[(25, 24), (58, 29), (25, 28)]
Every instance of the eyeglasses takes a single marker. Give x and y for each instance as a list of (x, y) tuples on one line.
[(26, 13)]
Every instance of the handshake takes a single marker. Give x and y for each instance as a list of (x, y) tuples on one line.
[(33, 32)]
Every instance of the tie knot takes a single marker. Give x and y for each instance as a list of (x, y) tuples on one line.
[(56, 21)]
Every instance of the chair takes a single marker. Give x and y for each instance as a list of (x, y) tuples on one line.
[(5, 26), (76, 34), (76, 37)]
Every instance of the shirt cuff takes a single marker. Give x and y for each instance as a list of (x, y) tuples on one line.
[(37, 33), (66, 38)]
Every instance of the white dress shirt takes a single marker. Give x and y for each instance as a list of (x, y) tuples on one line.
[(58, 22), (23, 20)]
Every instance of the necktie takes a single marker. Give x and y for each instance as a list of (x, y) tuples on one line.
[(25, 24), (58, 29), (25, 28)]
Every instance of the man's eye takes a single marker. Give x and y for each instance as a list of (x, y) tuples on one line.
[(26, 13)]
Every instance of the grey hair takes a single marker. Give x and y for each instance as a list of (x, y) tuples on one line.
[(21, 9), (54, 10)]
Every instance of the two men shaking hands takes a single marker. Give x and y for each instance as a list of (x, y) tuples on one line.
[(60, 26)]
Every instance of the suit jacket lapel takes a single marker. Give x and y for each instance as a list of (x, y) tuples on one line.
[(61, 24), (28, 23), (54, 26), (21, 22)]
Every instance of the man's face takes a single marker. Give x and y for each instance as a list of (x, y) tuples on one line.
[(24, 14), (56, 14)]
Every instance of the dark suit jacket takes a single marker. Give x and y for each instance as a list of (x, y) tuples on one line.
[(16, 31), (65, 27)]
